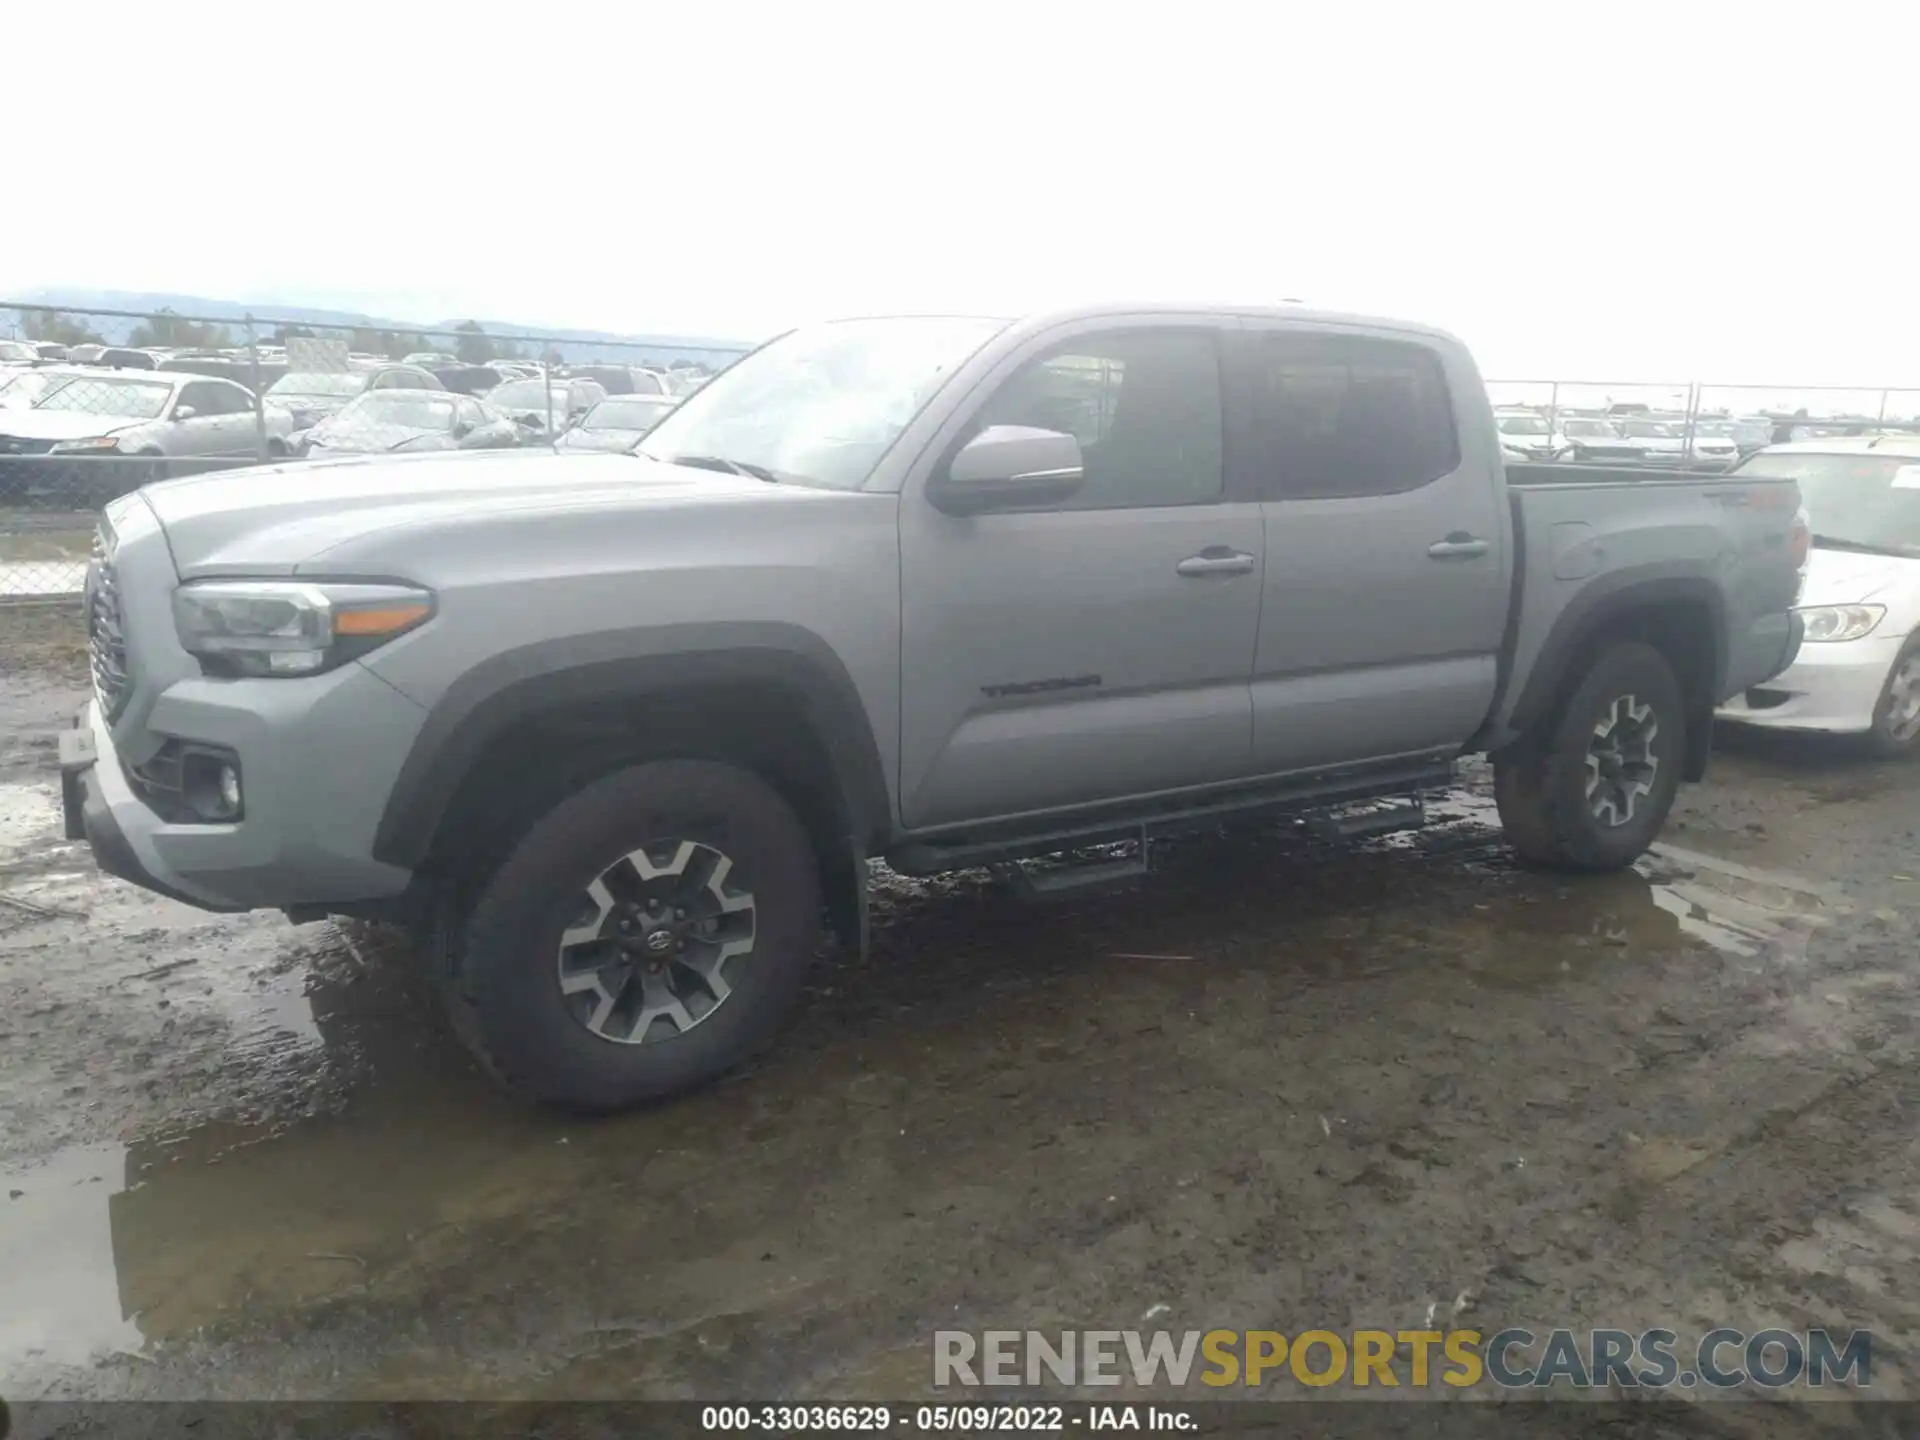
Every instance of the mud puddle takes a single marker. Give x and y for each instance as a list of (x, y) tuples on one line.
[(235, 1136)]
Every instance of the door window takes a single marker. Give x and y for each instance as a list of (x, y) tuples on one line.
[(1145, 407), (203, 399), (1343, 416), (225, 400)]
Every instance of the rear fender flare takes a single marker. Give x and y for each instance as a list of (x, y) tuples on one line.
[(1609, 599)]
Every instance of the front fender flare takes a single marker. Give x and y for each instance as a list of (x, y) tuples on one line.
[(517, 685)]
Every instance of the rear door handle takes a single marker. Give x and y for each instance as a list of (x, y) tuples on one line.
[(1216, 560), (1458, 546)]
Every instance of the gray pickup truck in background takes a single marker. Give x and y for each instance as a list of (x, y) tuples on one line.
[(943, 591)]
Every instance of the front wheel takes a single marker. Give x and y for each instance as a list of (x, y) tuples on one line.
[(648, 933), (1592, 789), (1896, 718)]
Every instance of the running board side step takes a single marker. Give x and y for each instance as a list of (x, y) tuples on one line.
[(1043, 884), (1313, 800), (1387, 820)]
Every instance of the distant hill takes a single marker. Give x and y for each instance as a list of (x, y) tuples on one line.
[(575, 344)]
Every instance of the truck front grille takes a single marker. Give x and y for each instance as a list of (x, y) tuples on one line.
[(106, 645)]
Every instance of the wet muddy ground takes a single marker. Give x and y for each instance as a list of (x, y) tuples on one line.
[(1275, 1086)]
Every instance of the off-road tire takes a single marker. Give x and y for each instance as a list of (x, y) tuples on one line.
[(498, 954), (1540, 786)]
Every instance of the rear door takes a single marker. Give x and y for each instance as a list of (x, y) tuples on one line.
[(207, 432), (1099, 648), (237, 432), (1386, 585)]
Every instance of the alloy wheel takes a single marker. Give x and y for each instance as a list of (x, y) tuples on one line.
[(646, 956), (1903, 700), (1621, 765)]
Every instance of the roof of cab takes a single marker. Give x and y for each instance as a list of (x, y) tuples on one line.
[(1046, 318)]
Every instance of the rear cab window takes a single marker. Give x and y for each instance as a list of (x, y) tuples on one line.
[(1344, 416)]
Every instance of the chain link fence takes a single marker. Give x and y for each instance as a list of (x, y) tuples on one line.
[(1686, 423), (95, 403)]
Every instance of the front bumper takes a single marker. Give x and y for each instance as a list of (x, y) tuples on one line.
[(1834, 688), (317, 757), (93, 796)]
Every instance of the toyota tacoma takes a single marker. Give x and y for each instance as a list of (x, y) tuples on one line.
[(620, 730)]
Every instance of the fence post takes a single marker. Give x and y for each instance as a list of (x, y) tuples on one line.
[(259, 401), (1553, 412), (1883, 408), (546, 376), (1686, 436)]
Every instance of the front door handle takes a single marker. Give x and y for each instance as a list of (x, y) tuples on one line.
[(1216, 560), (1458, 546)]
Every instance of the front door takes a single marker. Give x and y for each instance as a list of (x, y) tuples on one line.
[(1099, 648), (1388, 569)]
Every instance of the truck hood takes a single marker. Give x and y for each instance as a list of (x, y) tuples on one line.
[(1848, 577), (61, 424), (267, 520)]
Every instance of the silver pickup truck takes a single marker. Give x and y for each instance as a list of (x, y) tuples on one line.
[(944, 591)]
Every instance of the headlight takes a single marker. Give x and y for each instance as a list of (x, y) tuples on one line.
[(287, 627), (95, 443), (1833, 623)]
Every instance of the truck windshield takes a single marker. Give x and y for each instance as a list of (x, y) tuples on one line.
[(1867, 502), (821, 405)]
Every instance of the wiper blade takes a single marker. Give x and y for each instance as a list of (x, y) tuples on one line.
[(1864, 547), (724, 466)]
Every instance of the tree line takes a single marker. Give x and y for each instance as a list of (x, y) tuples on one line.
[(472, 344)]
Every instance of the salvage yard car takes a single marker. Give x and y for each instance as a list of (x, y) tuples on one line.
[(1530, 435), (619, 422), (545, 407), (1859, 672), (382, 421), (617, 730), (99, 433), (1591, 438), (306, 397)]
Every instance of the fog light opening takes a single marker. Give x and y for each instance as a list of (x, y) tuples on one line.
[(212, 788)]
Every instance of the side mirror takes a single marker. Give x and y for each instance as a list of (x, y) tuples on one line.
[(184, 412), (1008, 467), (461, 429)]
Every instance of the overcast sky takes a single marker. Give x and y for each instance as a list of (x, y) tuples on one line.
[(1722, 191)]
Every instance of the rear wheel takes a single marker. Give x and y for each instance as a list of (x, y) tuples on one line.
[(1896, 719), (647, 934), (1592, 789)]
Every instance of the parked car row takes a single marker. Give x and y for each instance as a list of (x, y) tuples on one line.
[(265, 365), (1647, 438), (84, 434)]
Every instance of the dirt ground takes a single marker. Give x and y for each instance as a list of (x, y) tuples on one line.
[(1275, 1086)]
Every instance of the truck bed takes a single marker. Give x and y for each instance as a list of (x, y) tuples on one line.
[(1585, 533)]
